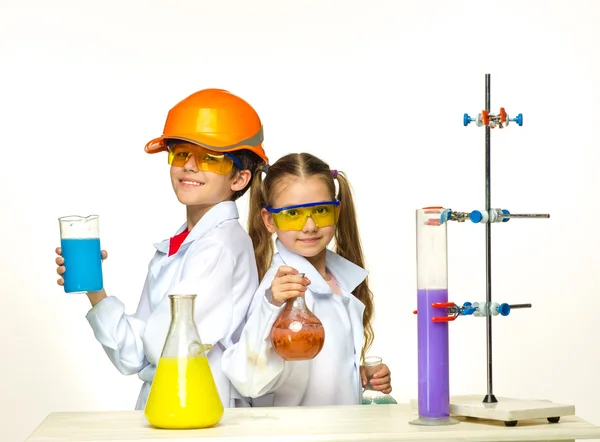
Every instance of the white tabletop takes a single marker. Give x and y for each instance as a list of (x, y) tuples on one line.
[(283, 424)]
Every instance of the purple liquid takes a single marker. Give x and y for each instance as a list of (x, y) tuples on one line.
[(434, 392)]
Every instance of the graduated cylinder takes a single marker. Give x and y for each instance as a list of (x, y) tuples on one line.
[(432, 288)]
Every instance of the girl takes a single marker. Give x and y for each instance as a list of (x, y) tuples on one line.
[(297, 202)]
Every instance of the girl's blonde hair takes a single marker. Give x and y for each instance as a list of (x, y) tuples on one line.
[(347, 238)]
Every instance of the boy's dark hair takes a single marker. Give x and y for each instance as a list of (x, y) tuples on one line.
[(250, 161)]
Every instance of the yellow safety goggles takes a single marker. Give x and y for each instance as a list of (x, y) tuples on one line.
[(323, 214), (206, 160)]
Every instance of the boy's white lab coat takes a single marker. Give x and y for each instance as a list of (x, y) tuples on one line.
[(252, 365), (215, 262)]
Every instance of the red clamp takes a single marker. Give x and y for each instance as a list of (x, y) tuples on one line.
[(485, 117), (502, 115), (452, 308)]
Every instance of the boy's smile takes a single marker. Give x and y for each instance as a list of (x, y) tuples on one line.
[(195, 188), (190, 182)]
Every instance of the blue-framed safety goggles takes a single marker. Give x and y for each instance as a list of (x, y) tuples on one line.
[(323, 214)]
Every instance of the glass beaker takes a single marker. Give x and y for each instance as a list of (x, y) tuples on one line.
[(371, 396), (183, 393), (80, 244), (433, 345), (297, 334)]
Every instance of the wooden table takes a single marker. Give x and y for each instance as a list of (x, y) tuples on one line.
[(344, 423)]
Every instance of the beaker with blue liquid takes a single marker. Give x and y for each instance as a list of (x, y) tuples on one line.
[(80, 243)]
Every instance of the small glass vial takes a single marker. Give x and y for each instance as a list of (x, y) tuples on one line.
[(371, 396)]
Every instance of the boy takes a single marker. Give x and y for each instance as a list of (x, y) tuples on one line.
[(214, 144)]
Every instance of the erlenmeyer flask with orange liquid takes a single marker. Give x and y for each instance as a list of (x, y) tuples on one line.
[(297, 334), (183, 393)]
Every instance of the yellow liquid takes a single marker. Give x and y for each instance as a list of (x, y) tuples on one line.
[(183, 395)]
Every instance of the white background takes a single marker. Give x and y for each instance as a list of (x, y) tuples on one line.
[(376, 88)]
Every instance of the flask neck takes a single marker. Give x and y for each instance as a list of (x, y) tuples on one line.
[(182, 339), (296, 303), (182, 307)]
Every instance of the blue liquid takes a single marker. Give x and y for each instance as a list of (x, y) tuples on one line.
[(380, 398), (83, 263)]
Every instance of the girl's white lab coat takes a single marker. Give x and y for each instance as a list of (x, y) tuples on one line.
[(215, 262), (253, 366)]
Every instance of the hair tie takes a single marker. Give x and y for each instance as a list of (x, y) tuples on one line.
[(334, 173), (265, 168)]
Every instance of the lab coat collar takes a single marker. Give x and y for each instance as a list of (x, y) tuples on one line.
[(347, 274), (223, 211)]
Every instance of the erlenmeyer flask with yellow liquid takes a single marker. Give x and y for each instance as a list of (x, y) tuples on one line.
[(183, 394)]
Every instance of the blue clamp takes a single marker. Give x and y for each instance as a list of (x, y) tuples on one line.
[(445, 216), (518, 119), (467, 119), (475, 216), (467, 309), (504, 309)]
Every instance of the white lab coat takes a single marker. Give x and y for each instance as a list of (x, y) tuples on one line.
[(216, 262), (252, 365)]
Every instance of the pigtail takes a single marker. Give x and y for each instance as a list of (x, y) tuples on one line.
[(261, 238), (348, 245)]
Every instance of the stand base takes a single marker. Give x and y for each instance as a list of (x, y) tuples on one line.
[(433, 422), (509, 410)]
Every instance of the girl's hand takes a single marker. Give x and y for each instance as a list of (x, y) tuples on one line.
[(287, 284), (61, 268), (381, 380)]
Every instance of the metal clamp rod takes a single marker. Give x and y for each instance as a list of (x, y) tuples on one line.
[(526, 215), (514, 306), (487, 216)]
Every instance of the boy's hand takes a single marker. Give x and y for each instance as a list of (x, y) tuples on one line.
[(61, 268), (287, 284), (381, 380)]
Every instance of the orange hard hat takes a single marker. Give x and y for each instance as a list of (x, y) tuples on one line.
[(214, 119)]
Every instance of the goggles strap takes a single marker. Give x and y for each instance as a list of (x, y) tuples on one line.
[(235, 161)]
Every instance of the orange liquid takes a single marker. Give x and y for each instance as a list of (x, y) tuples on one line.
[(297, 333), (183, 395), (298, 345)]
